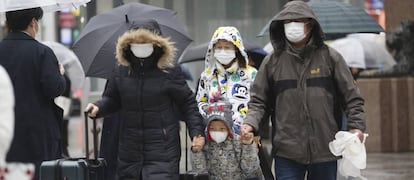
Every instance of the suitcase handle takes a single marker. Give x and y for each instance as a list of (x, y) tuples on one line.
[(95, 137)]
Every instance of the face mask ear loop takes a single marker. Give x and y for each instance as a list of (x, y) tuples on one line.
[(36, 23)]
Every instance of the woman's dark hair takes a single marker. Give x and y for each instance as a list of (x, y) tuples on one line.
[(19, 20), (240, 59)]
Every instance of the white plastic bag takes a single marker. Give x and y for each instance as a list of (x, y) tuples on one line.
[(353, 153)]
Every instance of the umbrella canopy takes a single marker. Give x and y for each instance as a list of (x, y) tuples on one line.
[(46, 5), (70, 61), (364, 48), (338, 19), (97, 41), (351, 50)]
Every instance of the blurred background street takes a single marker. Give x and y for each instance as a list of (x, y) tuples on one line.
[(389, 98)]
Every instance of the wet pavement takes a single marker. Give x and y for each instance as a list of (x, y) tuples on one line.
[(380, 166), (390, 166)]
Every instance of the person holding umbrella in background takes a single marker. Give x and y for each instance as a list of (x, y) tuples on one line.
[(37, 79), (147, 90), (302, 81)]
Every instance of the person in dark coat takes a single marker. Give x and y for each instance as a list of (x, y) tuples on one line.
[(37, 79), (109, 144), (147, 89), (66, 117)]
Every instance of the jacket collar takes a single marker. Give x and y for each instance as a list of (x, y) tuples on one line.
[(18, 36)]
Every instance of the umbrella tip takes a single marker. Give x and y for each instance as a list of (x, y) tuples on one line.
[(126, 18)]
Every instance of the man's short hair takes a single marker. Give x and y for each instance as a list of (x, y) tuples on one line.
[(19, 20)]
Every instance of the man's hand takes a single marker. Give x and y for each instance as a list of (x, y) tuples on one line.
[(198, 143), (61, 69), (246, 138), (245, 129), (360, 133), (92, 110)]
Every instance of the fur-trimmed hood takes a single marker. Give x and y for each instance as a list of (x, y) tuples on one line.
[(146, 35)]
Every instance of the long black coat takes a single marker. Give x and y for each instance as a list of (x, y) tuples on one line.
[(149, 100), (34, 72)]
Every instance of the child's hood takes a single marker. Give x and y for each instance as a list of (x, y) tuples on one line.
[(230, 34), (219, 111)]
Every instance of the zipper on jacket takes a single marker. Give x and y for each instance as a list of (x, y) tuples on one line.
[(140, 100), (164, 131), (303, 87)]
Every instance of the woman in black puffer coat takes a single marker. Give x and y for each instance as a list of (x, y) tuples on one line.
[(149, 92)]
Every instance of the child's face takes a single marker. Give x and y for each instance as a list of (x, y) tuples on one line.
[(218, 126)]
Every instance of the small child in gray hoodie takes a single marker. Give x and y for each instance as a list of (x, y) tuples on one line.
[(225, 156)]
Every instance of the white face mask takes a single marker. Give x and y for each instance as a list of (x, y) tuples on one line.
[(295, 31), (218, 136), (224, 56), (142, 50)]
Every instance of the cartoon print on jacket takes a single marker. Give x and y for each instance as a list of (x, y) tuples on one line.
[(232, 84)]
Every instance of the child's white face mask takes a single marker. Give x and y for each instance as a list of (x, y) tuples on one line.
[(224, 56), (218, 136)]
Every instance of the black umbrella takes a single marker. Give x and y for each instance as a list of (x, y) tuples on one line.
[(97, 41), (338, 19)]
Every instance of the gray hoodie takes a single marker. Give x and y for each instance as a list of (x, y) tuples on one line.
[(304, 89)]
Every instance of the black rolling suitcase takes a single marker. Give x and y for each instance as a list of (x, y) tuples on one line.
[(79, 168)]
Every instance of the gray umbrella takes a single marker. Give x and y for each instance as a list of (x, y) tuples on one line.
[(97, 41), (70, 61)]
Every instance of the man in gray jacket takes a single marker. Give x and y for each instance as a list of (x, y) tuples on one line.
[(306, 86)]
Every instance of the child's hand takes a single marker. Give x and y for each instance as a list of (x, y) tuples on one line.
[(198, 143), (246, 138)]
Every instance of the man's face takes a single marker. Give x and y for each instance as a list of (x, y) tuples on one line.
[(297, 31)]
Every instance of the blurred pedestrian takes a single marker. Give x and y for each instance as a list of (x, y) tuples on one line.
[(9, 171), (147, 90), (227, 74), (65, 102), (37, 79), (224, 156), (6, 114), (302, 81)]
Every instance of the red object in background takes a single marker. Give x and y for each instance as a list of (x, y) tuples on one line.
[(67, 20), (78, 93)]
